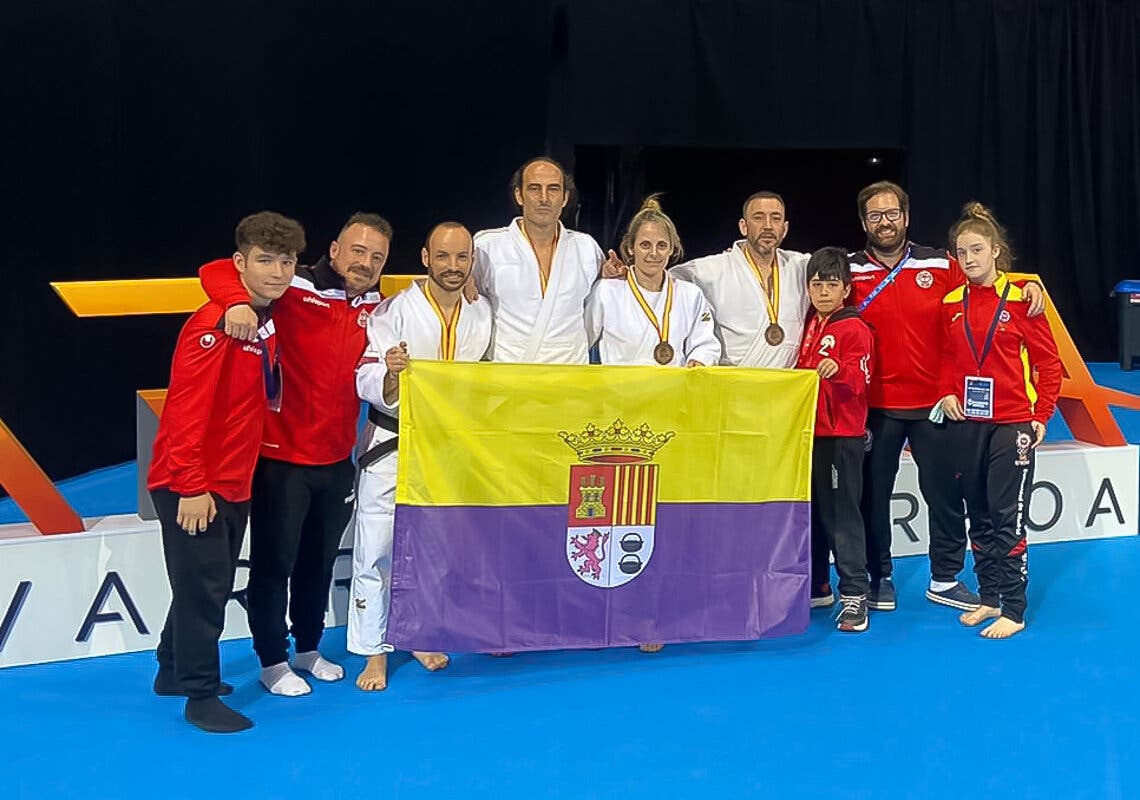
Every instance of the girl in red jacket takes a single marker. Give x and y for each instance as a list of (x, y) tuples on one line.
[(992, 348), (838, 345)]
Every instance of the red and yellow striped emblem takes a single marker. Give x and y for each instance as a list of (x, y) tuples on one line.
[(635, 494)]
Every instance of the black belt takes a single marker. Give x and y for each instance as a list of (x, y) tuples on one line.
[(374, 454)]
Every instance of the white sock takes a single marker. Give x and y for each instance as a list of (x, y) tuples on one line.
[(280, 679), (942, 586), (316, 665)]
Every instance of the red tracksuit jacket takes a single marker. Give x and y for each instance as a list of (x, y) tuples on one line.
[(322, 335), (210, 431), (1022, 346), (844, 337), (907, 319)]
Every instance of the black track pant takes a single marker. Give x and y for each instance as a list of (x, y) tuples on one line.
[(836, 524), (930, 446), (201, 570), (996, 462), (297, 518)]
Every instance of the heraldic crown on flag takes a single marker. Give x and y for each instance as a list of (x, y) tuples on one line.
[(616, 444)]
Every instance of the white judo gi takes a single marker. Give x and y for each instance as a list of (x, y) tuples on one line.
[(533, 326), (740, 307), (406, 317), (625, 334)]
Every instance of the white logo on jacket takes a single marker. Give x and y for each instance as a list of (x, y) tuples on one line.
[(825, 345), (310, 299), (208, 340), (924, 279)]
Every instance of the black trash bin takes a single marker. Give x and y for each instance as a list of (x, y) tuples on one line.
[(1128, 302)]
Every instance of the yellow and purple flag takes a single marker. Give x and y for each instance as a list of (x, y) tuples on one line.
[(542, 507)]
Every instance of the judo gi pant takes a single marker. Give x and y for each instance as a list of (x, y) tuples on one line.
[(996, 462), (932, 451), (298, 516), (836, 523), (201, 570), (371, 591)]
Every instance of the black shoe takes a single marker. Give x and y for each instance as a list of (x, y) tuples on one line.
[(882, 595), (852, 617), (957, 596), (822, 596), (165, 685), (213, 716)]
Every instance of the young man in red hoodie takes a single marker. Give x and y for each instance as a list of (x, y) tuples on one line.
[(303, 489), (204, 456), (838, 345)]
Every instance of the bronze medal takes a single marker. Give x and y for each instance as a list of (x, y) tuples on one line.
[(663, 353), (774, 334)]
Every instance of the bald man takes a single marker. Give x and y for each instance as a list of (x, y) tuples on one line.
[(429, 320)]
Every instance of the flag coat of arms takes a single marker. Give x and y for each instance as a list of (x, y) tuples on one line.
[(542, 507)]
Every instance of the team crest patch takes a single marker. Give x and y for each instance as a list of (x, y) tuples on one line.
[(362, 320), (1004, 316), (1022, 443), (612, 510), (924, 279), (208, 340)]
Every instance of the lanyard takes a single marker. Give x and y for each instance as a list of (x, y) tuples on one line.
[(542, 279), (449, 328), (270, 368), (662, 328), (979, 360), (772, 302), (885, 282)]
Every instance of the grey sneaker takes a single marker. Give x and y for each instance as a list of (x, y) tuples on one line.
[(852, 616), (882, 595)]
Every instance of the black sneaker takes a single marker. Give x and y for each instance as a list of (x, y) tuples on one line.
[(822, 596), (852, 616), (882, 595), (957, 596), (213, 716)]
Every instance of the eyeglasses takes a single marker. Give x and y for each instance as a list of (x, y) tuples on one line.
[(892, 214)]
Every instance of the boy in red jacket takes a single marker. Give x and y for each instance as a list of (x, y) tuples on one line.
[(838, 345), (204, 454)]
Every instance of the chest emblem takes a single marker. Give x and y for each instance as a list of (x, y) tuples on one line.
[(362, 320), (924, 279)]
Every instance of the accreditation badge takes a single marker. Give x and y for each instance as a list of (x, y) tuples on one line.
[(978, 395)]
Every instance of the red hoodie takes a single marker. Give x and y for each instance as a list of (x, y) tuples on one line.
[(1022, 346), (322, 335), (845, 338), (210, 432)]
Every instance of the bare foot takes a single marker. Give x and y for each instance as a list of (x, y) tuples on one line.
[(374, 678), (1003, 629), (651, 648), (432, 662), (979, 615)]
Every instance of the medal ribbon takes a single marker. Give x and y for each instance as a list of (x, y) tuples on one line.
[(449, 329), (979, 360), (661, 328), (771, 301), (542, 279)]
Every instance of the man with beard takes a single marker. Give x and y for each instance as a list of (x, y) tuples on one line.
[(537, 273), (302, 498), (429, 320), (758, 292), (898, 286)]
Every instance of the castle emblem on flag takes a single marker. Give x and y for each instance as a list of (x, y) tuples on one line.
[(612, 507)]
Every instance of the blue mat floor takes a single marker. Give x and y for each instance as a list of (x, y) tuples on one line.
[(918, 707)]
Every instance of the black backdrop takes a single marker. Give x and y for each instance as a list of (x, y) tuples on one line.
[(136, 134)]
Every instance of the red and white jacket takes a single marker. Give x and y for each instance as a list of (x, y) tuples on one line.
[(210, 431), (845, 338), (1023, 360), (907, 320), (322, 336)]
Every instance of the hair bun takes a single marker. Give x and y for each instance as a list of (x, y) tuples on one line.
[(652, 203), (978, 211)]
